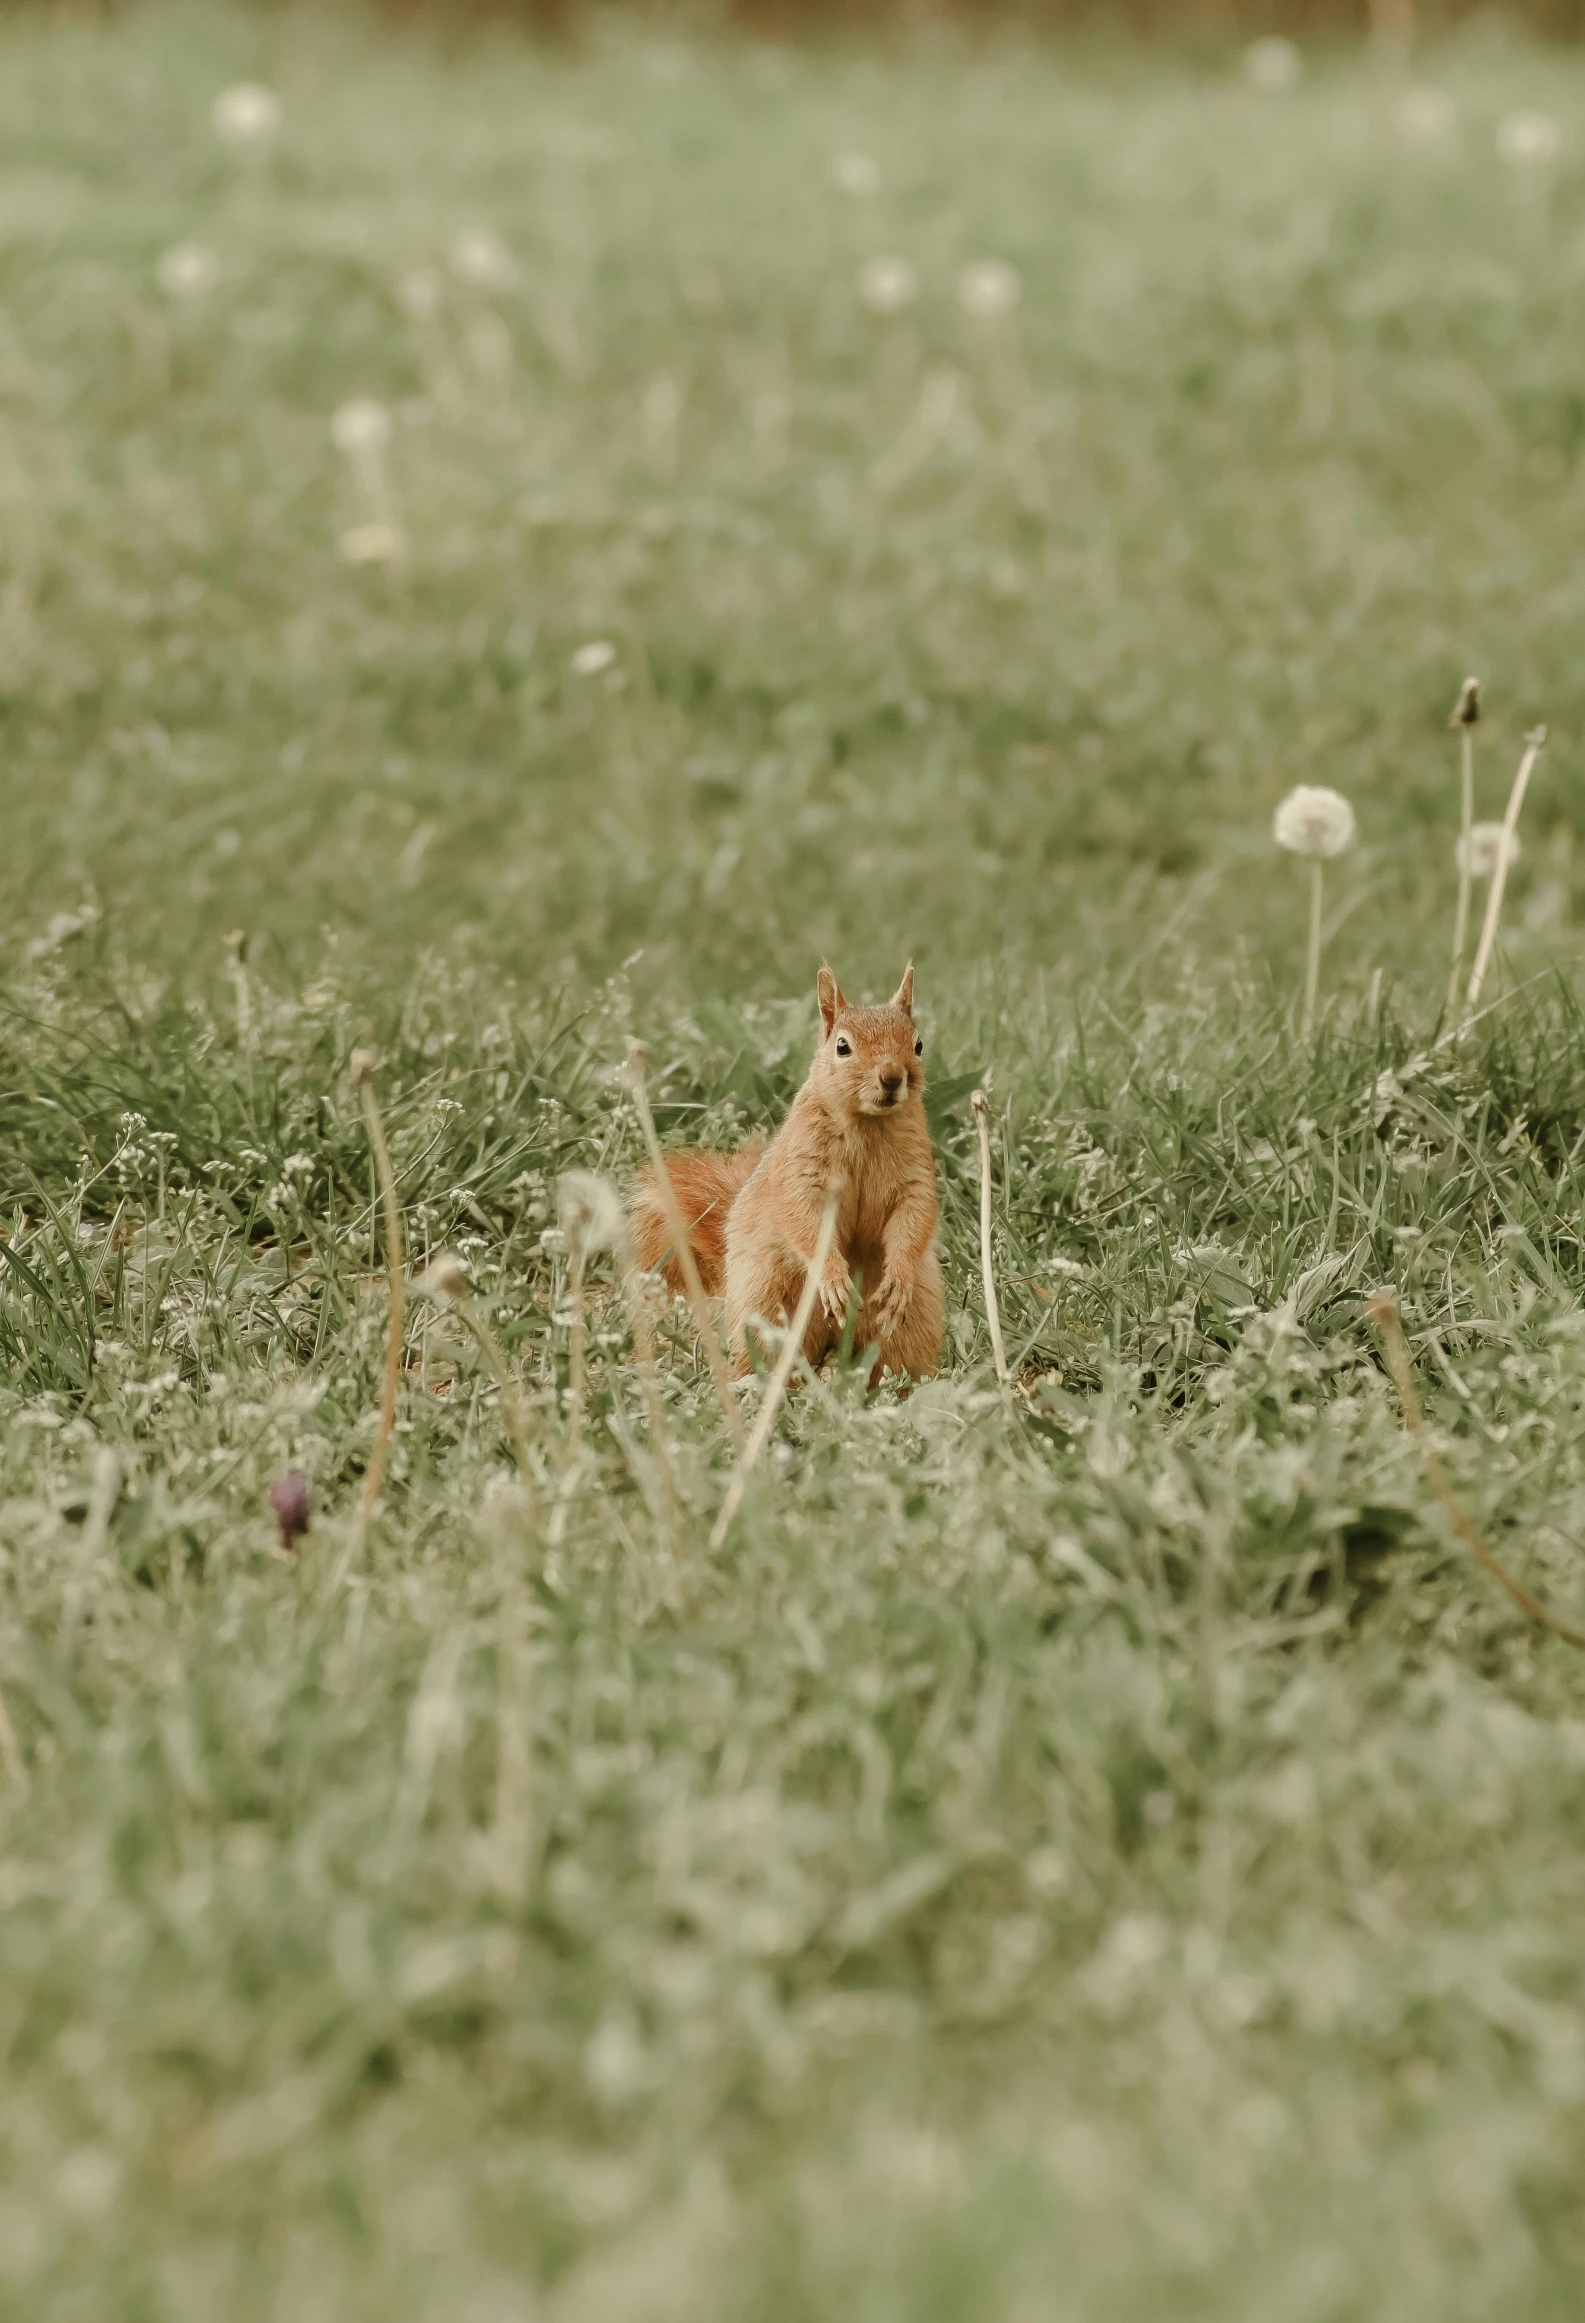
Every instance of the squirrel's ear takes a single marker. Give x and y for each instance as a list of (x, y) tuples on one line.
[(903, 997), (829, 994)]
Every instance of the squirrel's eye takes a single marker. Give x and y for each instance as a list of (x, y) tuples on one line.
[(844, 1047), (919, 1048)]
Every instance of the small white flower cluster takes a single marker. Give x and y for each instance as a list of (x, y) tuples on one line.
[(247, 118), (1528, 140), (1272, 65)]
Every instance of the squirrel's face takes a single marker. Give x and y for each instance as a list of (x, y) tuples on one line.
[(871, 1060)]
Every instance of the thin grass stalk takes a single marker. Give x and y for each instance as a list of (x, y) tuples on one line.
[(791, 1349), (363, 1077), (1312, 964), (993, 1313), (649, 1374), (513, 1834), (1383, 1313), (1534, 744), (1466, 873), (676, 1226), (11, 1750), (576, 1353)]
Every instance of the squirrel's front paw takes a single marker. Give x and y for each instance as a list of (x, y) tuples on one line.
[(890, 1306), (836, 1287)]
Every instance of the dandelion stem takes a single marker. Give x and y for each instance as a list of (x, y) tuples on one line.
[(1383, 1312), (791, 1349), (363, 1074), (1534, 744), (993, 1315), (677, 1227), (1312, 966), (1466, 866)]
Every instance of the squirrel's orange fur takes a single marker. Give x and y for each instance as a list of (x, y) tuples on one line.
[(857, 1126)]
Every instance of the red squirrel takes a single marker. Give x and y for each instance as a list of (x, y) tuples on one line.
[(857, 1127)]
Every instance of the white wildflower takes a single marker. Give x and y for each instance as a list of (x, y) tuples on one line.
[(1272, 64), (989, 288), (591, 1210), (1486, 850), (1424, 113), (482, 260), (247, 117), (887, 285), (1314, 821), (855, 174), (361, 427), (372, 544), (188, 270), (1528, 140), (591, 659), (445, 1277)]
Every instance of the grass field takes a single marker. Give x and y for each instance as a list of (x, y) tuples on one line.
[(1112, 1858)]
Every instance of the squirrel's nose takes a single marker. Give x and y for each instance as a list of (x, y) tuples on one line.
[(892, 1082)]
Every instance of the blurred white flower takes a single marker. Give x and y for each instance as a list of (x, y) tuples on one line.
[(445, 1277), (1485, 850), (187, 270), (247, 117), (482, 260), (856, 174), (887, 285), (989, 288), (591, 1211), (1424, 112), (591, 659), (373, 544), (361, 427), (1272, 64), (419, 293), (1314, 821), (1528, 140)]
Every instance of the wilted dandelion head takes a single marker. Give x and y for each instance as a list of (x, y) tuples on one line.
[(1528, 140), (481, 259), (419, 292), (372, 544), (360, 1066), (247, 117), (187, 270), (591, 659), (289, 1500), (445, 1277), (1466, 710), (887, 285), (855, 174), (360, 427), (1489, 845), (1314, 821), (590, 1210), (1273, 63), (1424, 113), (989, 288)]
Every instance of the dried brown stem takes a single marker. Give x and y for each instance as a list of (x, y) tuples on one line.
[(993, 1314), (1383, 1313)]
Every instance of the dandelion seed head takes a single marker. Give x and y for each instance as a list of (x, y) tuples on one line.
[(361, 426), (372, 544), (1486, 849), (419, 293), (188, 270), (481, 259), (591, 659), (1424, 113), (247, 117), (887, 285), (989, 289), (1272, 64), (1314, 821), (445, 1277), (855, 174), (590, 1210), (1528, 140)]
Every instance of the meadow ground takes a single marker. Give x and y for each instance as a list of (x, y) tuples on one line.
[(1115, 1858)]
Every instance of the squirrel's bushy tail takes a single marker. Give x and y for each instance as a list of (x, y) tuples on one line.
[(706, 1185)]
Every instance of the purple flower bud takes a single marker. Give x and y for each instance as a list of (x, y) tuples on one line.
[(289, 1499)]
